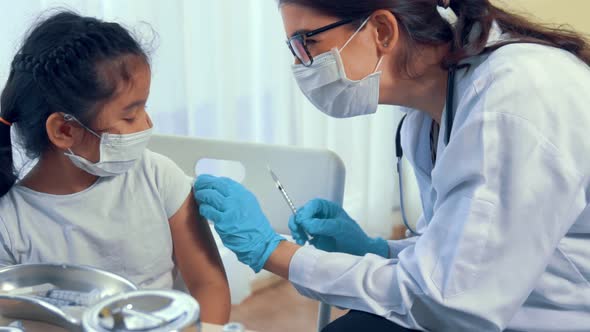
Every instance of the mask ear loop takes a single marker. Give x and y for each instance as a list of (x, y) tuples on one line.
[(354, 34), (378, 64), (70, 118)]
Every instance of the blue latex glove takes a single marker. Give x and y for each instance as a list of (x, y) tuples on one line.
[(238, 219), (333, 230)]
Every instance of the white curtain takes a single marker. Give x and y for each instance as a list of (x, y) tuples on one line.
[(221, 70)]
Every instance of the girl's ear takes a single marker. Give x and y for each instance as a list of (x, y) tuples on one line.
[(62, 133)]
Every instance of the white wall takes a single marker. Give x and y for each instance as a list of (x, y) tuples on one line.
[(570, 12)]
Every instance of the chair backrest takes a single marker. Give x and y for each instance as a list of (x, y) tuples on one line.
[(305, 173)]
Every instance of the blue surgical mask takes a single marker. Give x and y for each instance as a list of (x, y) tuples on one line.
[(118, 153)]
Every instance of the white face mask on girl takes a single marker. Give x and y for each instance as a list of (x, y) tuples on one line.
[(328, 88), (118, 153)]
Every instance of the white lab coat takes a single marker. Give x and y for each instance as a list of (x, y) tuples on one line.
[(506, 215)]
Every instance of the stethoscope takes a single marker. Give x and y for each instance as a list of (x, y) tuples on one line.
[(399, 153)]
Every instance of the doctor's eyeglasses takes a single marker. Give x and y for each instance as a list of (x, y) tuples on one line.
[(298, 42)]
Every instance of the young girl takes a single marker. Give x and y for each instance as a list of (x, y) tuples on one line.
[(76, 97)]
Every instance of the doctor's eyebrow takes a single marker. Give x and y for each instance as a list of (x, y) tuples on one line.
[(299, 32)]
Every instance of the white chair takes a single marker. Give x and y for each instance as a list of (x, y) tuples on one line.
[(305, 174)]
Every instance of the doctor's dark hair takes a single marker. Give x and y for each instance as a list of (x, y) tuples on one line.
[(68, 63), (421, 24)]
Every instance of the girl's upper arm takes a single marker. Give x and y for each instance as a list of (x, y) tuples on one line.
[(195, 251), (200, 265)]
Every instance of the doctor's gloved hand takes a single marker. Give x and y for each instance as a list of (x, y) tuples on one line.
[(238, 219), (333, 230)]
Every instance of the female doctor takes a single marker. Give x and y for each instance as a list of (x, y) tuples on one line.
[(498, 118)]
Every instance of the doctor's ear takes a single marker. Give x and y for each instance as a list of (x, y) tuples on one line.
[(387, 30), (63, 134)]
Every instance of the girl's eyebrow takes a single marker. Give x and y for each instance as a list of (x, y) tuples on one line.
[(134, 104)]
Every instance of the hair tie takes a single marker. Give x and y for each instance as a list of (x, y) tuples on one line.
[(6, 122), (446, 12), (444, 3)]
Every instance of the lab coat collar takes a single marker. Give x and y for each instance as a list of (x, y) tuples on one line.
[(417, 129), (495, 36)]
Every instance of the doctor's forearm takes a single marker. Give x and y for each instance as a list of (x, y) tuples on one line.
[(279, 261)]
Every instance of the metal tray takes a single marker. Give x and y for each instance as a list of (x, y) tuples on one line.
[(70, 277)]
